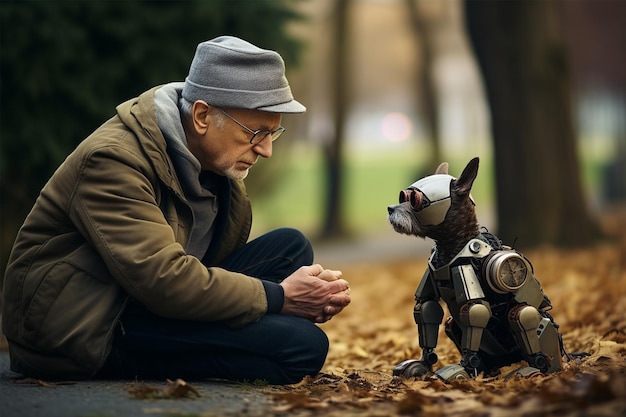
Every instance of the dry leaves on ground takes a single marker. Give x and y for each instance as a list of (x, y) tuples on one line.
[(41, 382), (587, 288), (173, 389)]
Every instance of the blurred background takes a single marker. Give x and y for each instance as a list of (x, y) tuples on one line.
[(536, 89)]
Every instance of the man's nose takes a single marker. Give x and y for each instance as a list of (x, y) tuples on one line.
[(264, 148)]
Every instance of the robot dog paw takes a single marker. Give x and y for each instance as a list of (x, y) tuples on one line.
[(452, 372), (411, 368), (524, 372)]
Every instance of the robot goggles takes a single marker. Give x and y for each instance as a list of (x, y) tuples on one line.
[(429, 198)]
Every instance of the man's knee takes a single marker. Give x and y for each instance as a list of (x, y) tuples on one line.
[(296, 244), (309, 346)]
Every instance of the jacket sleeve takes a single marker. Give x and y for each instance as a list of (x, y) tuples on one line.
[(115, 207)]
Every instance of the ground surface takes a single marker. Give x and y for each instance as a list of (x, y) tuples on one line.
[(587, 288), (35, 398)]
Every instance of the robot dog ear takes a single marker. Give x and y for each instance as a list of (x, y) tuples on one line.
[(463, 185), (442, 168)]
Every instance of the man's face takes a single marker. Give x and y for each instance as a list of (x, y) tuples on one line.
[(225, 148)]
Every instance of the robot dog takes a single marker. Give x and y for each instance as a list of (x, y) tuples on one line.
[(499, 313)]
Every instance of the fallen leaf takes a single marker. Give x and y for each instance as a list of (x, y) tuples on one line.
[(40, 382), (179, 389), (174, 389)]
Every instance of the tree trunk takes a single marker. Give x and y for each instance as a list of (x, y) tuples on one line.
[(333, 151), (522, 57), (427, 92)]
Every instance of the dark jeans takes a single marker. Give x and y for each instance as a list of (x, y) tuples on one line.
[(279, 349)]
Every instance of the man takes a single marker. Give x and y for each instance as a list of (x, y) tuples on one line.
[(134, 261)]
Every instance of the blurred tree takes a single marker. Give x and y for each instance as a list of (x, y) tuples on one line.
[(599, 75), (523, 60), (65, 65), (423, 27), (333, 222)]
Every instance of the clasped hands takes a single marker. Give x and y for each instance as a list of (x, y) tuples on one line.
[(315, 293)]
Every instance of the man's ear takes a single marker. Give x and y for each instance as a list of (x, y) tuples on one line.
[(200, 116), (463, 184)]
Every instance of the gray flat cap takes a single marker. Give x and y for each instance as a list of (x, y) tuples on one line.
[(230, 72)]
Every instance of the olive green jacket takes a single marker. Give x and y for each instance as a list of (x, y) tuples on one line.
[(111, 224)]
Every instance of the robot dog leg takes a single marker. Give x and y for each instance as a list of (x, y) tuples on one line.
[(428, 316), (473, 318), (537, 338), (472, 321)]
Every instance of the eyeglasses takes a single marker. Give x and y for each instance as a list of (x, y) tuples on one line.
[(257, 135), (417, 199)]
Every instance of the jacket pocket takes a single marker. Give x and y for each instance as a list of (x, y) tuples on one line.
[(72, 313)]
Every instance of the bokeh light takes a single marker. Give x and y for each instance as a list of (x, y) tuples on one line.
[(396, 127)]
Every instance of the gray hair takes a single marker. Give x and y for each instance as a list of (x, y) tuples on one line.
[(186, 109)]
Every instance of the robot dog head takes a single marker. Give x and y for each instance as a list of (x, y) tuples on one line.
[(429, 198), (425, 204)]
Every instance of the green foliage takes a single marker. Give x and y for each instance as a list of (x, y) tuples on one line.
[(65, 65)]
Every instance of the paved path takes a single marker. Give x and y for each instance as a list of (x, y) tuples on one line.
[(111, 399), (383, 247)]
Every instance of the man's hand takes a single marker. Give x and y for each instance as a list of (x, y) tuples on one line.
[(315, 293)]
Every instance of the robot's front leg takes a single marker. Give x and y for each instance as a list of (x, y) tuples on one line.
[(428, 316), (473, 318)]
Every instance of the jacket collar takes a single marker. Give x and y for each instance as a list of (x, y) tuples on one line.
[(139, 115)]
